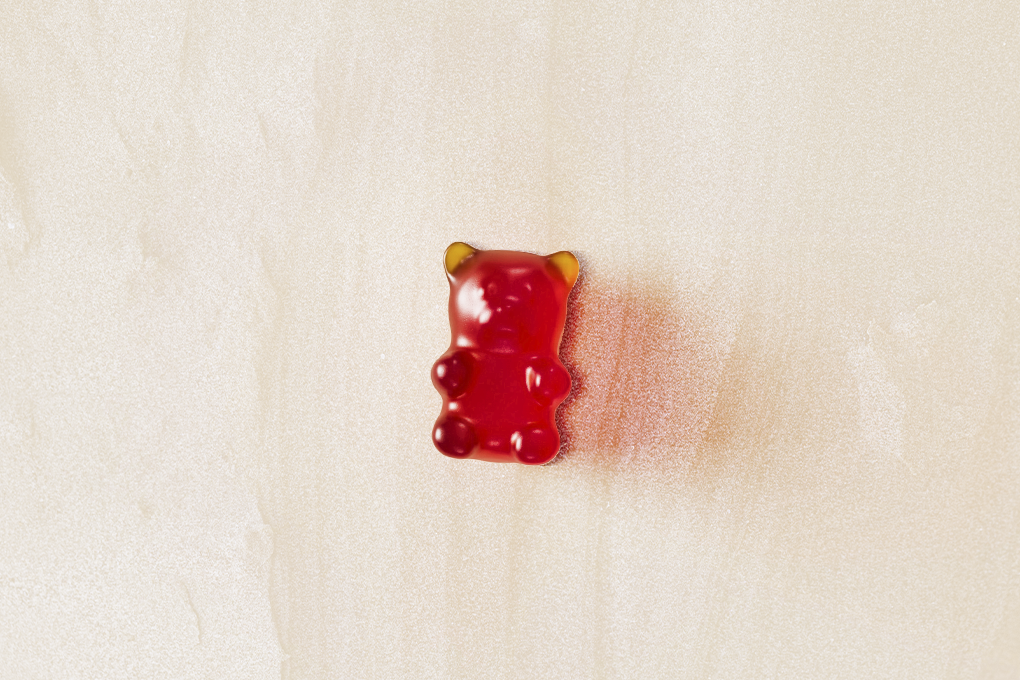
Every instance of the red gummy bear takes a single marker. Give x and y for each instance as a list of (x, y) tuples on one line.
[(502, 380)]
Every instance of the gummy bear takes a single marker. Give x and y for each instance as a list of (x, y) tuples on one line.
[(502, 379)]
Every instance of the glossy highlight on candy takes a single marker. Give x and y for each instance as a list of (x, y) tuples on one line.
[(501, 379)]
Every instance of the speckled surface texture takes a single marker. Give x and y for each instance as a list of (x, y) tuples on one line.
[(794, 443)]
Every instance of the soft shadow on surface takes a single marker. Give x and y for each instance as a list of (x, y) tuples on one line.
[(646, 363)]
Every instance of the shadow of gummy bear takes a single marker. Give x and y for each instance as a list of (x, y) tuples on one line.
[(646, 364)]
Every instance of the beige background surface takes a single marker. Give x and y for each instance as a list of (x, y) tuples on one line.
[(795, 440)]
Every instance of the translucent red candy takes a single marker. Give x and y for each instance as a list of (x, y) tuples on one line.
[(502, 379)]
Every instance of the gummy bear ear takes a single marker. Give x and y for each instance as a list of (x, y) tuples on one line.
[(455, 254), (567, 264)]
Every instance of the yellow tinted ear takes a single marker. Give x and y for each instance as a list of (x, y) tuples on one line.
[(455, 254), (567, 264)]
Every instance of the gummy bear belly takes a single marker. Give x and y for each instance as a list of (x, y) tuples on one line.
[(498, 404)]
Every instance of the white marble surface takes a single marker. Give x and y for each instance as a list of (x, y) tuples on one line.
[(795, 444)]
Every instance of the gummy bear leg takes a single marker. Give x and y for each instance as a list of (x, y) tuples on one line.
[(535, 445), (454, 437)]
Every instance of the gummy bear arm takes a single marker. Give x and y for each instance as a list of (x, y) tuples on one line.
[(452, 373), (564, 379), (547, 380)]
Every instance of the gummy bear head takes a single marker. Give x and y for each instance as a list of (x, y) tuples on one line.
[(507, 301)]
